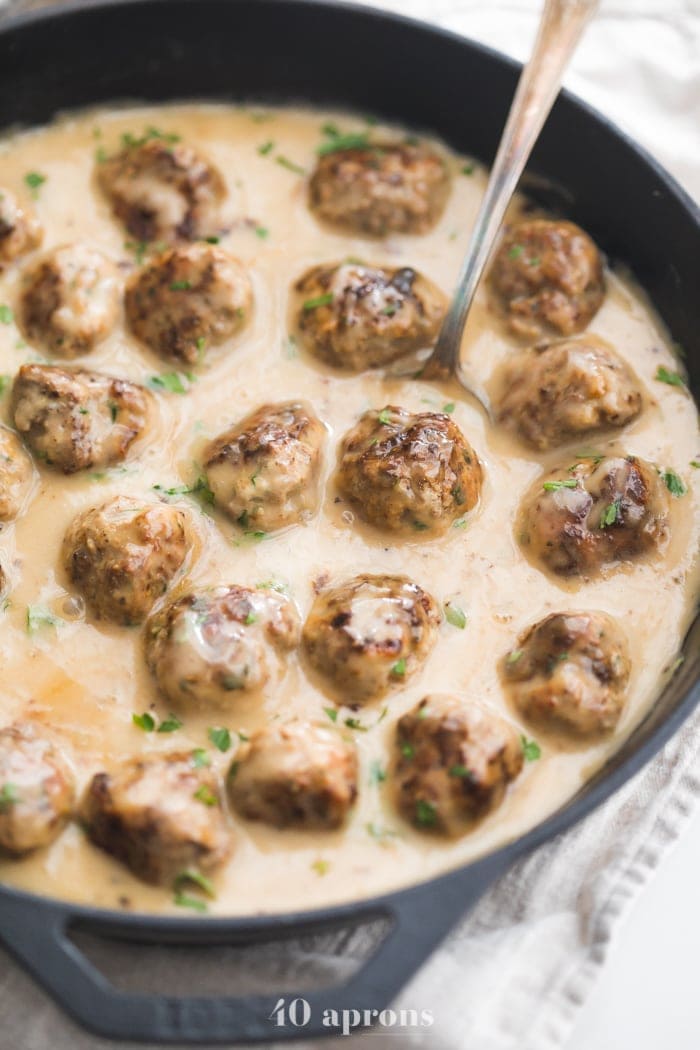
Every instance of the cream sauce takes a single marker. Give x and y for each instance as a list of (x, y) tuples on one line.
[(87, 679)]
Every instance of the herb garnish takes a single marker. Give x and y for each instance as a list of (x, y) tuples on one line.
[(377, 772), (220, 738), (398, 670), (170, 725), (184, 900), (34, 180), (455, 616), (180, 286), (426, 814), (336, 141), (5, 314), (320, 866), (285, 162), (531, 749), (610, 514), (673, 483), (206, 796), (665, 375), (554, 486), (38, 616), (266, 147), (318, 300), (145, 721), (173, 382), (8, 795)]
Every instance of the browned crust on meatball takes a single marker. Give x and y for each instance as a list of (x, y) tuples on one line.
[(354, 316), (264, 470), (159, 815), (547, 277), (37, 789), (74, 419), (598, 512), (298, 775), (142, 178), (123, 555), (187, 300), (563, 391), (20, 230), (408, 473), (381, 189), (69, 301), (453, 762), (210, 647), (569, 672), (369, 635), (15, 475)]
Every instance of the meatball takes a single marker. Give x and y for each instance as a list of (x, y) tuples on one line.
[(20, 231), (123, 555), (264, 470), (566, 390), (570, 672), (211, 646), (37, 789), (354, 316), (162, 191), (408, 472), (380, 189), (70, 300), (370, 635), (548, 276), (596, 512), (187, 300), (159, 815), (15, 475), (454, 760), (74, 419), (298, 775)]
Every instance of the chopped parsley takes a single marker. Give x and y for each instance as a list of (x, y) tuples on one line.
[(459, 770), (185, 900), (285, 162), (467, 169), (34, 180), (139, 248), (170, 725), (513, 657), (266, 147), (320, 866), (194, 878), (377, 772), (336, 141), (200, 758), (206, 796), (695, 463), (318, 300), (665, 375), (449, 408), (38, 617), (554, 486), (673, 483), (250, 618), (262, 232), (399, 668), (5, 314), (8, 796), (172, 382), (355, 723), (531, 749), (380, 833), (180, 286), (130, 141), (271, 585), (516, 251), (426, 814), (407, 750), (455, 616), (610, 515), (145, 721), (220, 738), (384, 417)]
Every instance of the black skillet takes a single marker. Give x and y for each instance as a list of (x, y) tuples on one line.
[(334, 55)]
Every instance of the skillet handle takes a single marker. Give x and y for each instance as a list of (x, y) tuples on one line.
[(36, 931)]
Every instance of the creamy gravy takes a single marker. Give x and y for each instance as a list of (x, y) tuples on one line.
[(87, 679)]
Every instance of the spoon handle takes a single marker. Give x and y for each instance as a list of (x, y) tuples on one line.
[(561, 26)]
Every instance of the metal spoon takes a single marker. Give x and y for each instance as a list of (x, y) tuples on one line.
[(561, 26)]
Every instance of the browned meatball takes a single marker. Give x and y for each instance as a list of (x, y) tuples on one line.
[(570, 672), (15, 475), (355, 317), (370, 635), (74, 419), (123, 555), (380, 189), (597, 512), (20, 230), (160, 815), (264, 470), (566, 390), (548, 276), (210, 647), (36, 789), (162, 191), (298, 775), (70, 300), (408, 472), (453, 763), (187, 300)]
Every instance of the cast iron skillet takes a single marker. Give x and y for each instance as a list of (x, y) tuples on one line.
[(329, 54)]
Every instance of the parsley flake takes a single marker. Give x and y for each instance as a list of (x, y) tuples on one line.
[(220, 738)]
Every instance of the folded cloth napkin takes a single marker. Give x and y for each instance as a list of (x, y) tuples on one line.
[(513, 975)]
